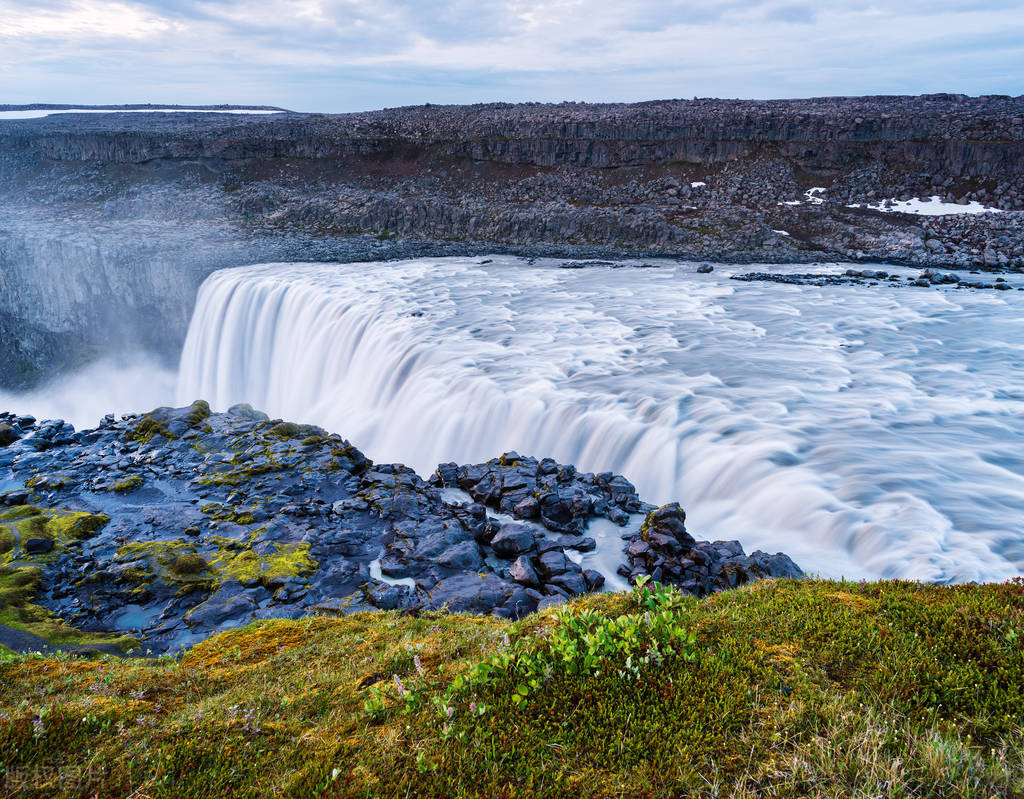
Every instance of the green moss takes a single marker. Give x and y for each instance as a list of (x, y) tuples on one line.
[(179, 563), (176, 562), (155, 423), (18, 587), (24, 522), (225, 513), (48, 482), (248, 566), (236, 477), (188, 565), (289, 430), (129, 484), (148, 427), (199, 413)]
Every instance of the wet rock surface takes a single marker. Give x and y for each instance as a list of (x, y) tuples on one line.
[(179, 523), (926, 279)]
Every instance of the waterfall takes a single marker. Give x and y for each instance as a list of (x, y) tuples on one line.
[(828, 424)]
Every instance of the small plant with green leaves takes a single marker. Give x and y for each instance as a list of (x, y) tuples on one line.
[(581, 642)]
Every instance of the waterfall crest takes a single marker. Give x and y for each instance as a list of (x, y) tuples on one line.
[(797, 419)]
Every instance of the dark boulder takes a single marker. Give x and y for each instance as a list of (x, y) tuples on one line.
[(512, 540)]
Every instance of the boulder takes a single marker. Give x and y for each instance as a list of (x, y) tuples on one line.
[(523, 572), (512, 540)]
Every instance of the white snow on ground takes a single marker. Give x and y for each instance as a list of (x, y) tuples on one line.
[(812, 196), (697, 184), (930, 206), (45, 112), (781, 232)]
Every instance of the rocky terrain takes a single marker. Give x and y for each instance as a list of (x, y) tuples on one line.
[(106, 220), (155, 531)]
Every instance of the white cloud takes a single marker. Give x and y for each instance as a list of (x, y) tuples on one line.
[(346, 54), (87, 19)]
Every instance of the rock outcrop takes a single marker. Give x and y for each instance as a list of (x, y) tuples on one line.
[(157, 530)]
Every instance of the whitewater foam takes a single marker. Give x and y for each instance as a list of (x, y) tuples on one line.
[(866, 431)]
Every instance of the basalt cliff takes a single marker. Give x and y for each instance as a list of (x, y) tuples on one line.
[(111, 219)]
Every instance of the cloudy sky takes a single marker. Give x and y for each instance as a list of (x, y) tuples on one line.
[(345, 55)]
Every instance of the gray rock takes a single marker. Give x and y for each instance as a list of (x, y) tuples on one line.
[(38, 546), (513, 540), (465, 556), (554, 562), (523, 572)]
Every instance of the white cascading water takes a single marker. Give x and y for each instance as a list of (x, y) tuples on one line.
[(866, 431)]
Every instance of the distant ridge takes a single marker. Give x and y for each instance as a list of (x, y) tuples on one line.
[(137, 107)]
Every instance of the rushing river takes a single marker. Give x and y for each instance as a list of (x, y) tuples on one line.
[(865, 430)]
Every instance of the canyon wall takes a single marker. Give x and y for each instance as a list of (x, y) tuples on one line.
[(108, 223)]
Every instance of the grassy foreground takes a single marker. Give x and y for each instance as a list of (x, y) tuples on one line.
[(808, 689)]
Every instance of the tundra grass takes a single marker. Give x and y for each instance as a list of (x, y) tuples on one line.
[(779, 689)]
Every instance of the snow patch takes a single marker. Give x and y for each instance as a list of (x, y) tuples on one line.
[(929, 206)]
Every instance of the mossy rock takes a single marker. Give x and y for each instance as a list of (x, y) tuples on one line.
[(176, 562), (236, 477), (225, 513), (180, 563), (188, 565), (148, 427), (129, 484), (199, 412), (290, 430), (249, 567), (24, 523), (18, 587), (159, 422)]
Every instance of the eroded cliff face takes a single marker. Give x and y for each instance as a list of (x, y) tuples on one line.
[(959, 136), (109, 223), (72, 289)]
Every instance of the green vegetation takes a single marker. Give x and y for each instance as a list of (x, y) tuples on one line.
[(177, 562), (796, 689), (149, 426), (129, 484), (26, 523), (18, 587), (46, 532), (244, 564), (235, 477), (156, 423), (225, 513), (289, 430)]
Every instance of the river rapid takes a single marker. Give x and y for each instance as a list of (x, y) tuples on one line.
[(866, 430)]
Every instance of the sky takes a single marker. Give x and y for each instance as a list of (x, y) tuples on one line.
[(351, 55)]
